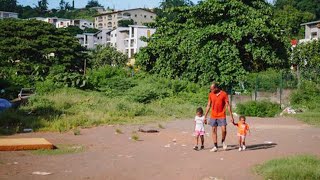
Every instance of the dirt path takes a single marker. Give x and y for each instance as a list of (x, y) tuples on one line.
[(111, 156)]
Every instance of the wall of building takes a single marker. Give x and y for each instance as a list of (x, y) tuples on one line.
[(110, 20)]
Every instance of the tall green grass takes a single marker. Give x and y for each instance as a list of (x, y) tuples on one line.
[(145, 100), (307, 98), (301, 167)]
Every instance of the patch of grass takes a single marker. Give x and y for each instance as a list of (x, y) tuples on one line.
[(160, 126), (135, 137), (146, 99), (309, 117), (304, 167), (60, 150), (118, 131), (76, 132)]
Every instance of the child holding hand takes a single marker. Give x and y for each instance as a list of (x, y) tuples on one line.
[(199, 122), (243, 129)]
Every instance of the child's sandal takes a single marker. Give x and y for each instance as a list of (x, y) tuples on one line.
[(202, 147), (195, 148)]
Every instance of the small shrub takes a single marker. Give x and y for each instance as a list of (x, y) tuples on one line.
[(118, 131), (160, 126), (135, 137), (76, 132), (258, 108)]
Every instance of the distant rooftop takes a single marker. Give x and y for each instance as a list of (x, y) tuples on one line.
[(312, 22), (118, 11)]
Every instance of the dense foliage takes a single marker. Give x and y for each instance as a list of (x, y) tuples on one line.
[(307, 57), (31, 49), (215, 40), (258, 108), (312, 6)]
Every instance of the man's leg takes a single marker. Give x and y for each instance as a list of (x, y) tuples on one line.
[(223, 133), (214, 136)]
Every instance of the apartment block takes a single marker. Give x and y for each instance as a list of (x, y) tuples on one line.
[(125, 39), (4, 14), (109, 20)]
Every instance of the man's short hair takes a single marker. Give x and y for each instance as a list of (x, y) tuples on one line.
[(215, 85)]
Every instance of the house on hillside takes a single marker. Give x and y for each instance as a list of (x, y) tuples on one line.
[(312, 31), (109, 20), (4, 14), (63, 23), (125, 39)]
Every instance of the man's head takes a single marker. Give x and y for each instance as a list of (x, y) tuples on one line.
[(215, 88)]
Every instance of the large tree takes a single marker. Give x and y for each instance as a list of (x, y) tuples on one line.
[(32, 47), (215, 40), (290, 19), (312, 6), (8, 5), (93, 3)]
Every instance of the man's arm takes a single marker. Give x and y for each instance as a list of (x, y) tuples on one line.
[(207, 110), (230, 111)]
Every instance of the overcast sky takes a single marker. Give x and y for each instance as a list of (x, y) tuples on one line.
[(118, 4)]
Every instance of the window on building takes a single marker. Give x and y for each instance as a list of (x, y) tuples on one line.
[(135, 15), (135, 23), (314, 35), (109, 17), (115, 35), (151, 17), (145, 16)]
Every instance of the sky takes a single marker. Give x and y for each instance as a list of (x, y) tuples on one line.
[(117, 4)]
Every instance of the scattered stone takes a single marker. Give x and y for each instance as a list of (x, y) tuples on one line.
[(148, 131), (167, 146), (183, 145), (41, 173), (174, 140), (184, 132), (27, 130), (221, 159), (15, 163), (268, 142)]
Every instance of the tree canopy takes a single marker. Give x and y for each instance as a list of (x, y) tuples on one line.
[(93, 3), (311, 6), (32, 47), (215, 40)]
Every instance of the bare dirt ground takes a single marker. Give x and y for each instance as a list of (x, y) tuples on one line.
[(114, 156)]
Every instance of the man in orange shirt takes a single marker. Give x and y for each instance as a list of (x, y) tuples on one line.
[(218, 101)]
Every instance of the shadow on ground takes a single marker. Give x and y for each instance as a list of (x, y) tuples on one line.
[(254, 146)]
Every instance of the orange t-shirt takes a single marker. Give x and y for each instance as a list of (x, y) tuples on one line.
[(242, 128), (218, 104)]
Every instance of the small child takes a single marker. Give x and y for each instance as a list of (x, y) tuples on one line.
[(199, 128), (243, 128)]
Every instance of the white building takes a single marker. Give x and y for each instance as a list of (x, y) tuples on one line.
[(87, 40), (134, 42), (63, 23), (4, 14), (125, 39), (312, 31)]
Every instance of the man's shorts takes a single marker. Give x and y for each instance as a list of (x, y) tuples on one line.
[(217, 122)]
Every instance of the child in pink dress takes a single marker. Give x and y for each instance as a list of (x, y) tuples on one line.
[(199, 128)]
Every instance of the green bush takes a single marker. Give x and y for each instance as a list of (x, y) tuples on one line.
[(258, 108), (270, 80), (306, 96)]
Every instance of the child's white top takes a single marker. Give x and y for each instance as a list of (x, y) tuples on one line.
[(199, 123)]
